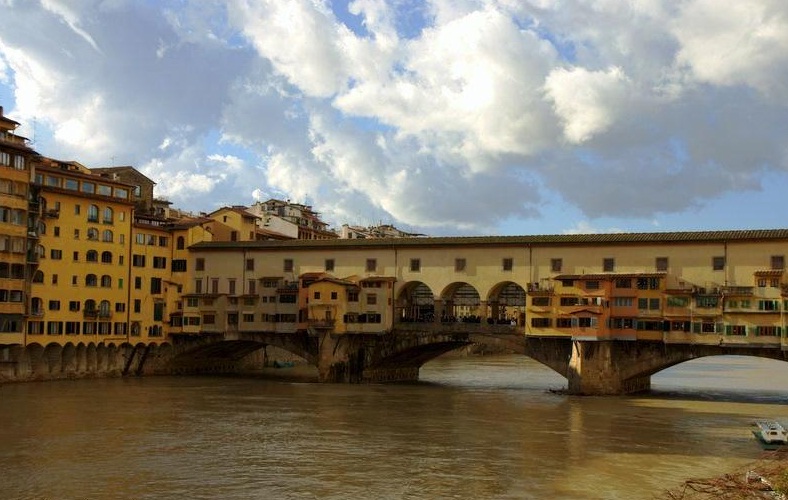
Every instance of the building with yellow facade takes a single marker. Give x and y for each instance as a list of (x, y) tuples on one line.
[(18, 230), (81, 289)]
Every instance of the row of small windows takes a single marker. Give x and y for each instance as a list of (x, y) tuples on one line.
[(152, 239), (82, 186), (90, 328), (653, 304), (12, 271), (17, 162), (102, 308), (90, 255), (12, 244), (15, 216), (507, 263), (661, 326), (13, 188)]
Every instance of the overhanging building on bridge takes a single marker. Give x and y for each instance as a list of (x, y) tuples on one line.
[(705, 287)]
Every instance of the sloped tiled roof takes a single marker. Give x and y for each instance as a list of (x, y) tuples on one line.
[(601, 239)]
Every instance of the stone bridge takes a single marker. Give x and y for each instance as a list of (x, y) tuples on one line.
[(591, 367)]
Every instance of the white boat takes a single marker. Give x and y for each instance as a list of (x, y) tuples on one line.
[(771, 432)]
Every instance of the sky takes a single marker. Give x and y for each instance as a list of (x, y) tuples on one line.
[(445, 117)]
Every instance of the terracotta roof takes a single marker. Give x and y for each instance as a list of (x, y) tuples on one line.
[(770, 273), (532, 240)]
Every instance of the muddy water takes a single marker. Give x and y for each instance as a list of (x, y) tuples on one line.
[(472, 428)]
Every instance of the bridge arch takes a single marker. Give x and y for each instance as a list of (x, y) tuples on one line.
[(506, 304), (461, 302), (415, 303)]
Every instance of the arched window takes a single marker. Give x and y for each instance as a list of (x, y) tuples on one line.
[(91, 280), (91, 256), (93, 234), (179, 244), (135, 328), (106, 281), (36, 306), (93, 213), (40, 251), (104, 308), (41, 227), (90, 306), (106, 236), (106, 257), (107, 215), (38, 277)]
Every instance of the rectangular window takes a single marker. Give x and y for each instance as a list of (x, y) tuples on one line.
[(179, 265), (120, 307), (778, 262), (198, 285), (199, 264), (137, 305), (540, 322), (507, 264), (459, 265), (352, 296), (608, 264), (214, 285), (155, 285), (252, 287), (138, 283), (592, 285), (250, 264), (415, 265), (661, 264), (334, 296), (372, 265), (718, 263), (231, 286), (372, 299), (138, 260), (56, 254), (248, 318), (160, 262), (556, 265), (316, 295), (287, 265), (623, 301), (54, 305), (540, 301), (329, 265)]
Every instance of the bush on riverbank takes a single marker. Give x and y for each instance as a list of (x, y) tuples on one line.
[(765, 479)]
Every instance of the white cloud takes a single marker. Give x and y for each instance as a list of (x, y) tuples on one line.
[(448, 115), (587, 102), (745, 43)]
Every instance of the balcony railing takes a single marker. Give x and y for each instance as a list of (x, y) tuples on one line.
[(90, 313), (322, 323)]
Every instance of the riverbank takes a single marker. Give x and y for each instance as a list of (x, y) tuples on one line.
[(766, 478)]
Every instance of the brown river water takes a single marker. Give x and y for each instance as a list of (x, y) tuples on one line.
[(478, 427)]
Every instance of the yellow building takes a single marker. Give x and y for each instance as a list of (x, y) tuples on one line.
[(18, 231), (81, 289)]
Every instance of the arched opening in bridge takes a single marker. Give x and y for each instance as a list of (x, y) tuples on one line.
[(415, 304), (736, 377), (506, 304), (461, 303)]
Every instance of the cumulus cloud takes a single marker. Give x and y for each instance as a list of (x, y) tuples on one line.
[(445, 116)]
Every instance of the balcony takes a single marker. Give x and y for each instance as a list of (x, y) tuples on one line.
[(51, 214), (90, 313), (322, 324)]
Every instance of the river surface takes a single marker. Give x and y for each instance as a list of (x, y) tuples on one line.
[(479, 427)]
